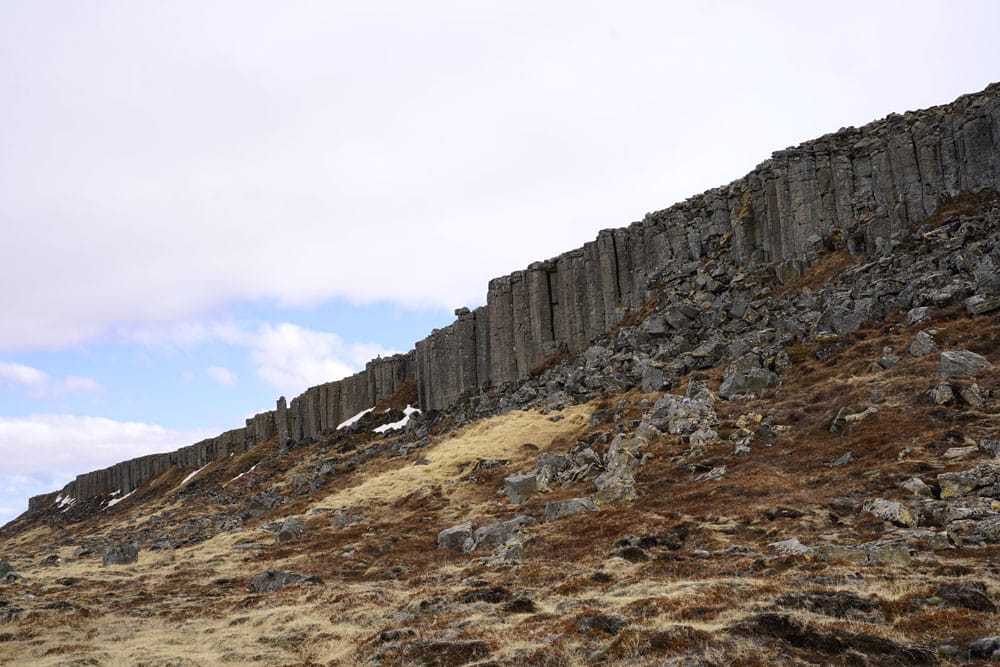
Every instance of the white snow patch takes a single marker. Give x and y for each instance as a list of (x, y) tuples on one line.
[(115, 501), (409, 410), (191, 476), (65, 503), (355, 418), (243, 473)]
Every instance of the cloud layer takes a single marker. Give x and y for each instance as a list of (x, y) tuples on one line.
[(162, 160)]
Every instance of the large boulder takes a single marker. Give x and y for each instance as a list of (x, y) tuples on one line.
[(961, 362), (560, 508), (520, 487), (291, 528), (272, 580), (454, 537), (679, 415), (496, 534), (121, 554)]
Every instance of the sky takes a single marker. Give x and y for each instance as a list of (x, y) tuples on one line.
[(208, 204)]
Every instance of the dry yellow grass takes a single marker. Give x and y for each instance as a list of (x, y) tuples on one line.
[(455, 455)]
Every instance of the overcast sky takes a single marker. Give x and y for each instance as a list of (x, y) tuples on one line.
[(204, 205)]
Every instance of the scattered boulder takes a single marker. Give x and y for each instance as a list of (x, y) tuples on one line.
[(683, 415), (987, 647), (918, 315), (742, 382), (520, 487), (980, 305), (121, 554), (291, 528), (983, 480), (918, 487), (989, 446), (454, 537), (889, 510), (560, 508), (961, 362), (272, 580), (496, 534), (921, 345)]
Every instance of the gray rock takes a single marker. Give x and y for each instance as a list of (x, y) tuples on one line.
[(917, 487), (987, 647), (973, 531), (983, 480), (918, 315), (790, 547), (520, 487), (922, 344), (653, 378), (291, 528), (961, 362), (890, 510), (560, 508), (121, 554), (972, 395), (454, 537), (272, 580), (942, 394), (753, 381), (991, 447), (841, 461), (493, 535), (980, 305), (682, 415)]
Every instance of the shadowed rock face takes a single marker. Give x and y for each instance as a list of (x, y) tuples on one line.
[(864, 184)]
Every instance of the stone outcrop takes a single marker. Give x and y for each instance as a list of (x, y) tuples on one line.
[(864, 185)]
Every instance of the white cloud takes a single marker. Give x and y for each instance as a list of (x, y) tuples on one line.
[(39, 384), (21, 375), (292, 358), (287, 155), (222, 376), (44, 452)]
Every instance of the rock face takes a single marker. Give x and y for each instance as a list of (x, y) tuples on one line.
[(121, 554), (865, 185)]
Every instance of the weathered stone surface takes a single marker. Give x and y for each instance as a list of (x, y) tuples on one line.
[(272, 580), (922, 344), (983, 480), (890, 510), (917, 487), (291, 529), (961, 362), (520, 487), (455, 537), (753, 381), (494, 535), (121, 554), (980, 305), (560, 508), (680, 415)]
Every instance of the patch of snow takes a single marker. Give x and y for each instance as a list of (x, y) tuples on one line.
[(65, 503), (115, 501), (408, 411), (355, 418), (243, 473), (191, 476)]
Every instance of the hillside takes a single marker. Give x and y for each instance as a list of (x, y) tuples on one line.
[(780, 454)]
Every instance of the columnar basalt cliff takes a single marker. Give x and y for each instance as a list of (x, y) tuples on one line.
[(870, 182)]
